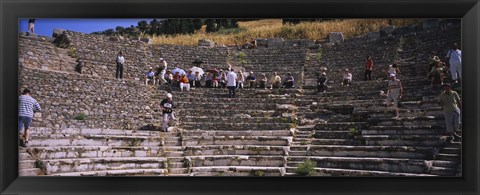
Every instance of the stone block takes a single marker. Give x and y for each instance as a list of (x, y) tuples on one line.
[(261, 42), (404, 30), (387, 30), (373, 35), (430, 24), (275, 42), (205, 43), (146, 40), (58, 32), (336, 37)]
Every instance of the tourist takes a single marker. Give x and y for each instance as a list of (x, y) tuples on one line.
[(197, 79), (209, 80), (393, 69), (263, 81), (454, 57), (322, 83), (191, 78), (162, 71), (231, 83), (167, 111), (252, 80), (347, 77), (394, 93), (169, 77), (26, 107), (240, 80), (437, 76), (79, 66), (433, 61), (215, 80), (275, 81), (120, 63), (150, 75), (223, 80), (368, 68), (31, 26), (176, 80), (184, 83), (289, 81), (450, 102)]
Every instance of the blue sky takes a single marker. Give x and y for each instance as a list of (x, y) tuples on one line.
[(45, 26)]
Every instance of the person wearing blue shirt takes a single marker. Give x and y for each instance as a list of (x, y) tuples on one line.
[(150, 75), (252, 80)]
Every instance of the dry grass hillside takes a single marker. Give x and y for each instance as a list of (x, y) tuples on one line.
[(274, 28)]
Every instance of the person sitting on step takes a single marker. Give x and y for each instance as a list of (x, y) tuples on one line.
[(215, 80), (191, 78), (322, 83), (289, 81), (252, 80), (209, 80), (176, 80), (275, 81), (223, 80), (240, 80), (347, 77), (184, 83), (197, 79), (150, 76)]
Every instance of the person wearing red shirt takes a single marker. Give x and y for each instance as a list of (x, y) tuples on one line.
[(368, 68)]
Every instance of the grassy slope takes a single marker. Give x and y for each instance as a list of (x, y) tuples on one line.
[(273, 28)]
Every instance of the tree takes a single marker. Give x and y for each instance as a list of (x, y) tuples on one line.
[(197, 24), (211, 25)]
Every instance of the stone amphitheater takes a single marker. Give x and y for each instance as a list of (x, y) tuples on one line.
[(347, 131)]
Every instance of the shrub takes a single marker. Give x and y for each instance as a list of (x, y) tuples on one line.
[(72, 52), (352, 132), (306, 168), (259, 173), (81, 117)]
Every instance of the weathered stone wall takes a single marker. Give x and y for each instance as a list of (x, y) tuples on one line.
[(106, 103)]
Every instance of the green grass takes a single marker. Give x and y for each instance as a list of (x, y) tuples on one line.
[(306, 168), (81, 117)]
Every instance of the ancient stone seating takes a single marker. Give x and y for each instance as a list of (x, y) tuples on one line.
[(347, 131)]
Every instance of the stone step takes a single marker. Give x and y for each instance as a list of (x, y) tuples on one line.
[(236, 140), (30, 172), (174, 165), (236, 133), (26, 164), (443, 163), (94, 140), (223, 112), (237, 160), (443, 171), (409, 121), (448, 157), (373, 164), (332, 134), (54, 166), (403, 132), (402, 140), (447, 150), (229, 106), (402, 127), (174, 153), (410, 152), (236, 126), (340, 125), (250, 150), (237, 171), (177, 171), (277, 99), (350, 142), (93, 131), (353, 172), (202, 118), (62, 152), (124, 172)]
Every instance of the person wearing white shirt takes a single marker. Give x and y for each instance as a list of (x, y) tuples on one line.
[(347, 77), (163, 68), (150, 75), (120, 62), (455, 59), (231, 83)]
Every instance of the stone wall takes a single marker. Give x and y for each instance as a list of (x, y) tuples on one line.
[(106, 102), (40, 53)]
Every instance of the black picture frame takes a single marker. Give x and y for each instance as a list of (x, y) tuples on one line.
[(11, 11)]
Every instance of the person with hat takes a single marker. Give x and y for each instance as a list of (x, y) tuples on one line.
[(347, 77), (167, 111), (289, 80), (450, 102), (275, 81), (394, 93), (150, 75), (322, 82), (454, 57)]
